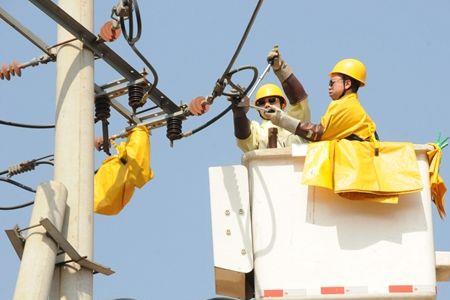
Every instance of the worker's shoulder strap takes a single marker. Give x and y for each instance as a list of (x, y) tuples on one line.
[(354, 137)]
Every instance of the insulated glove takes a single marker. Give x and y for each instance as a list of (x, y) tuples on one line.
[(279, 66), (282, 119), (240, 105), (198, 106)]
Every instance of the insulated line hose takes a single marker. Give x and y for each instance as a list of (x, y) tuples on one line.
[(226, 110), (134, 7), (221, 80), (14, 124)]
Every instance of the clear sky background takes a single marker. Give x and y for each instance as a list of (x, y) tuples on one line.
[(160, 245)]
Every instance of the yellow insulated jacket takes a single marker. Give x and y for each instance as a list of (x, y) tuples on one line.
[(345, 117)]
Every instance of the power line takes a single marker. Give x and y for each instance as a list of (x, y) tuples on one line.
[(17, 206), (22, 125)]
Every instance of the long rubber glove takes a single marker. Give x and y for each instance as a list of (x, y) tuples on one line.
[(279, 66), (283, 120)]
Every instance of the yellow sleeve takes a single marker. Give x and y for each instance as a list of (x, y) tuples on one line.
[(300, 111), (252, 142)]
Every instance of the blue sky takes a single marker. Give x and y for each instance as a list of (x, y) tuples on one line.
[(160, 245)]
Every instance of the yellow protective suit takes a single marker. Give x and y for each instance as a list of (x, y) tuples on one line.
[(344, 117), (376, 171), (116, 179), (437, 185)]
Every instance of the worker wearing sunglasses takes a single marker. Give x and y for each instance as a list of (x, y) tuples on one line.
[(345, 117), (252, 135)]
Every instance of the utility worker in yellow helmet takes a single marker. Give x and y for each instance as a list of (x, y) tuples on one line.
[(345, 117), (251, 135)]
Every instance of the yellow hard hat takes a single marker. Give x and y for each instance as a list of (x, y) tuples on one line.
[(270, 90), (351, 67)]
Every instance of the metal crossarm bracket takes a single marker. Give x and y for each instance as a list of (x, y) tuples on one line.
[(91, 42), (99, 90), (25, 32), (18, 243)]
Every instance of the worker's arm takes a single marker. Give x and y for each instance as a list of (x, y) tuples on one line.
[(310, 131), (307, 130), (252, 141), (291, 85), (198, 106), (241, 122)]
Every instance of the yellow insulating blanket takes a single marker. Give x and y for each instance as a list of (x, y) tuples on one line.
[(116, 179), (375, 171), (437, 185)]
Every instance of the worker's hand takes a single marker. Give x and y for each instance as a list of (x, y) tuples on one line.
[(279, 118), (274, 58), (98, 143), (273, 113), (279, 66), (198, 106), (240, 104)]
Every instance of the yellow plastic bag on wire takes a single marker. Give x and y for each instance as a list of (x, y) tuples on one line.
[(116, 179), (437, 185), (138, 156)]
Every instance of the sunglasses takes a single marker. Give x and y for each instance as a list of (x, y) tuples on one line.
[(262, 102), (331, 82)]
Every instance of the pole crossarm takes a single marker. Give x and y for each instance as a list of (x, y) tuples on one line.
[(25, 32), (99, 48)]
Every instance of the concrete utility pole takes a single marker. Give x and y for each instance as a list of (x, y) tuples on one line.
[(38, 259), (74, 157)]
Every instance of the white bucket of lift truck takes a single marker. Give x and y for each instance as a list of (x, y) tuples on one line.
[(309, 243)]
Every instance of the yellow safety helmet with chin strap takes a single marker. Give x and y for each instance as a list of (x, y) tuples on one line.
[(351, 67), (270, 90)]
